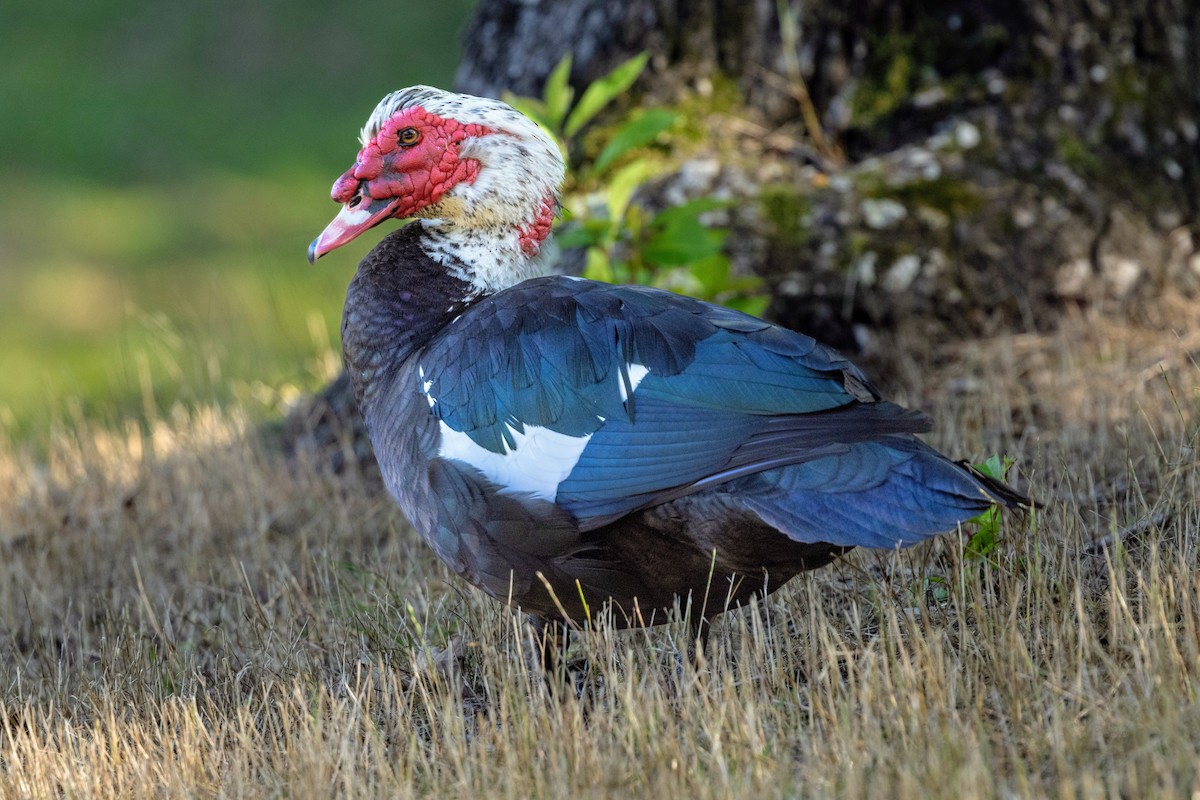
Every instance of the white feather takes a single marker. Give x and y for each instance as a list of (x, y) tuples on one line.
[(425, 386), (636, 373), (540, 461)]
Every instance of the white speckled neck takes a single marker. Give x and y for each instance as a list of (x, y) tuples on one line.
[(489, 259), (477, 228)]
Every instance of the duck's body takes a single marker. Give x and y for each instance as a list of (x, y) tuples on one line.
[(564, 444)]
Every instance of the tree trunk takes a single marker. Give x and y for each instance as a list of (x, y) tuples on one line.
[(993, 158), (956, 166)]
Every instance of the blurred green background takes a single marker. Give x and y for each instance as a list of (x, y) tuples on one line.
[(164, 167)]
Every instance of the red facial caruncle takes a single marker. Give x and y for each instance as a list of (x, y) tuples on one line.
[(532, 235), (408, 165), (418, 167)]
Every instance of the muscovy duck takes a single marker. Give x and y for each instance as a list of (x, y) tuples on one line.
[(565, 444)]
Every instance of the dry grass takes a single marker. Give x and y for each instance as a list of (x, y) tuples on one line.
[(182, 614)]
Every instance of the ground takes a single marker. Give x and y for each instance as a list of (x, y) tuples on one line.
[(184, 612)]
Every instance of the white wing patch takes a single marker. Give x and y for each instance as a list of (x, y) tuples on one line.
[(539, 462), (540, 458), (425, 386), (636, 373)]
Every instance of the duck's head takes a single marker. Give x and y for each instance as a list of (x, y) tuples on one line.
[(481, 176)]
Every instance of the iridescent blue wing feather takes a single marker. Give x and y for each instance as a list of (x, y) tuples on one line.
[(653, 397)]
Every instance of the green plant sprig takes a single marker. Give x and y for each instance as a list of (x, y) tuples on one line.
[(679, 248)]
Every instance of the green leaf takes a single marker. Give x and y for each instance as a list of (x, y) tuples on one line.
[(558, 93), (996, 467), (987, 533), (603, 91), (683, 243), (598, 267), (712, 273), (987, 536), (692, 209), (579, 235), (680, 238), (677, 279), (621, 188), (938, 588), (635, 133), (755, 305), (933, 587)]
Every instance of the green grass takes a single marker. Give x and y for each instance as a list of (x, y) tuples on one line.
[(164, 167), (130, 299), (121, 91)]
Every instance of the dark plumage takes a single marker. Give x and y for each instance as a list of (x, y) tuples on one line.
[(562, 443)]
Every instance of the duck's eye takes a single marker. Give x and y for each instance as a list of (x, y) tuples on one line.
[(408, 137)]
